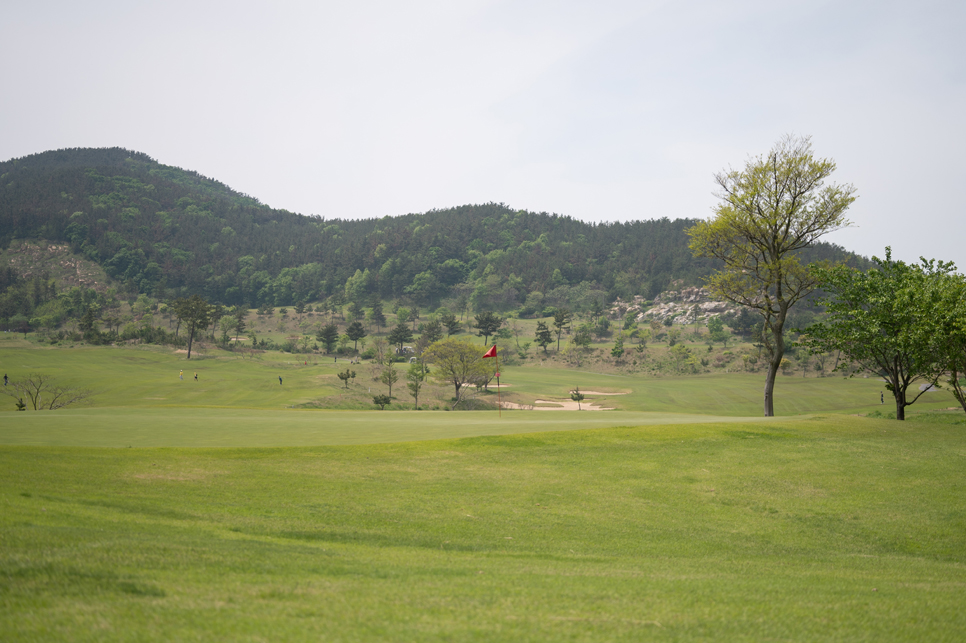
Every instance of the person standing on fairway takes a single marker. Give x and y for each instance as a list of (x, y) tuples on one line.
[(279, 380), (196, 377), (181, 375)]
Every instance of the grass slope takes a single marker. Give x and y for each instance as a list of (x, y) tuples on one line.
[(834, 528)]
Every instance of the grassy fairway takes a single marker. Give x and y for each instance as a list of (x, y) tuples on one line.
[(831, 528), (129, 378)]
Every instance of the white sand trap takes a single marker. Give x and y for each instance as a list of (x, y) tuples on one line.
[(558, 405)]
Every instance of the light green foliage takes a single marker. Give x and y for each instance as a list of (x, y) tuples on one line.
[(618, 350), (769, 211), (389, 374), (582, 336), (716, 331), (414, 381), (673, 336), (458, 363), (227, 325), (715, 324), (683, 359)]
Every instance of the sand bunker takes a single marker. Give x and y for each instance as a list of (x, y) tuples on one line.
[(558, 405)]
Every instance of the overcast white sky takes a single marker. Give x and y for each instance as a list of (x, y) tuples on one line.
[(606, 110)]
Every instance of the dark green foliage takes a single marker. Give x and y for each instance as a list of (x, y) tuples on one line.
[(889, 321), (452, 324), (329, 336), (381, 401), (346, 376), (543, 336), (400, 335), (745, 322), (378, 317), (194, 313), (432, 332), (355, 331), (577, 396), (163, 230), (20, 297), (561, 318), (487, 323)]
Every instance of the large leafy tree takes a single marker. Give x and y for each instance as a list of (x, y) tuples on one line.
[(457, 362), (771, 210), (193, 313), (887, 321)]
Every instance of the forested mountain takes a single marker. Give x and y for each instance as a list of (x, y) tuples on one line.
[(168, 232)]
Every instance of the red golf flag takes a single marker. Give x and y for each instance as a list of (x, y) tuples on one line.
[(491, 352)]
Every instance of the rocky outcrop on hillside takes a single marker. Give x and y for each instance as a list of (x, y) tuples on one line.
[(685, 306), (30, 258)]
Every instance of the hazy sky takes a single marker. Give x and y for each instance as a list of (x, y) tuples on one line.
[(604, 110)]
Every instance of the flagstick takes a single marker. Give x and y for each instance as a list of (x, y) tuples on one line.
[(499, 391)]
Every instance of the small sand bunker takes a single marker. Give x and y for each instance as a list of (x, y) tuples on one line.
[(558, 405)]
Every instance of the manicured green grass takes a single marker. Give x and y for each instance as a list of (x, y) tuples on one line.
[(148, 378), (674, 518), (796, 529), (205, 427)]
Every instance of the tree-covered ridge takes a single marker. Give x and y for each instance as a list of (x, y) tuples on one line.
[(169, 232)]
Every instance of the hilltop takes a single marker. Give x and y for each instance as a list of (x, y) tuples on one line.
[(165, 231)]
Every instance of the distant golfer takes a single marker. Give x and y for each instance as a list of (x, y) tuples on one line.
[(881, 397), (4, 379), (181, 375), (196, 377), (279, 380)]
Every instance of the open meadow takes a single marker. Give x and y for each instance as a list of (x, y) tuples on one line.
[(236, 508)]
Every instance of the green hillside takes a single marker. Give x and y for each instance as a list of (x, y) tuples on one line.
[(167, 232)]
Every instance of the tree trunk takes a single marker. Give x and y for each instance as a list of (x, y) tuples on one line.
[(770, 390), (901, 406), (191, 336), (777, 353)]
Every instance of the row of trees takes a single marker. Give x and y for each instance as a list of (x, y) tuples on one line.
[(902, 322)]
